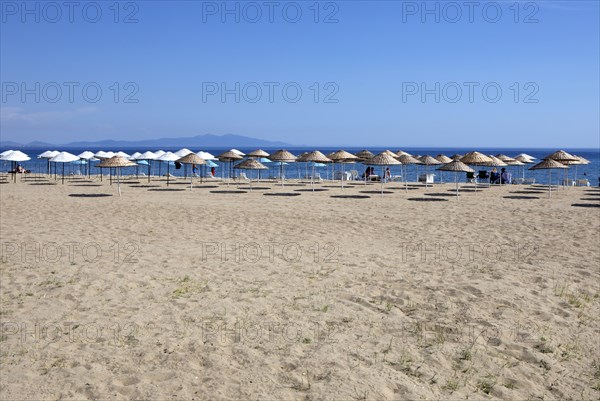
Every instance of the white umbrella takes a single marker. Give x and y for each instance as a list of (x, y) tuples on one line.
[(87, 155), (15, 156), (158, 154), (64, 157), (238, 152), (134, 156), (49, 154), (122, 154), (147, 156), (206, 156), (183, 152), (168, 157), (10, 150)]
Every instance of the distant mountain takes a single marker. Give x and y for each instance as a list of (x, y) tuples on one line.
[(199, 141)]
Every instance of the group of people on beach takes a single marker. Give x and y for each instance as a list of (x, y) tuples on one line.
[(504, 177)]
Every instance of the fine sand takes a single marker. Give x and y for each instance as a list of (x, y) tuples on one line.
[(165, 293)]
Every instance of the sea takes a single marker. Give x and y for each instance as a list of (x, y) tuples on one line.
[(591, 171)]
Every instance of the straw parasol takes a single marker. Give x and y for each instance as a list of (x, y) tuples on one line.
[(564, 158), (582, 160), (342, 157), (504, 158), (228, 157), (457, 156), (402, 153), (168, 157), (315, 157), (382, 159), (407, 159), (457, 167), (258, 153), (443, 159), (428, 161), (250, 164), (191, 158), (525, 155), (282, 156), (523, 158), (476, 159), (364, 154), (117, 162), (549, 164)]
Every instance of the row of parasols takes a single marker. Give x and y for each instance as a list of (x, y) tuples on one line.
[(456, 163)]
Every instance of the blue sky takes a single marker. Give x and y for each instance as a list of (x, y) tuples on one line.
[(362, 68)]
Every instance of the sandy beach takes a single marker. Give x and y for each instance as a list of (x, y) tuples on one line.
[(166, 293)]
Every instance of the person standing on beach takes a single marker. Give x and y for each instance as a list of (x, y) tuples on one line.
[(505, 177)]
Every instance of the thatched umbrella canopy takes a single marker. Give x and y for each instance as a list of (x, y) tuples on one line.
[(457, 167), (364, 154), (457, 156), (524, 159), (407, 159), (428, 161), (117, 162), (561, 156), (564, 158), (258, 153), (549, 164), (282, 156), (504, 158), (443, 159), (402, 153), (191, 158), (476, 159), (315, 157), (390, 153), (383, 159), (342, 157), (228, 157), (250, 164)]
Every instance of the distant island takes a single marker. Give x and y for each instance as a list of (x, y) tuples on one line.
[(203, 141)]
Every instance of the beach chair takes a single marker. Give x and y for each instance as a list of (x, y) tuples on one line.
[(483, 176), (396, 178), (528, 181), (243, 176), (471, 178), (373, 177), (582, 183), (427, 178), (567, 182), (354, 175)]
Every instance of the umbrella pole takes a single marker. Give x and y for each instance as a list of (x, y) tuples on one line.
[(382, 180), (312, 178), (191, 178), (456, 182), (110, 176), (168, 172), (63, 173), (118, 181)]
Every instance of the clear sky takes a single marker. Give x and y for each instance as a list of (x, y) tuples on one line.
[(379, 73)]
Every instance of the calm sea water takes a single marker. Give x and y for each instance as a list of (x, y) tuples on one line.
[(298, 170)]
